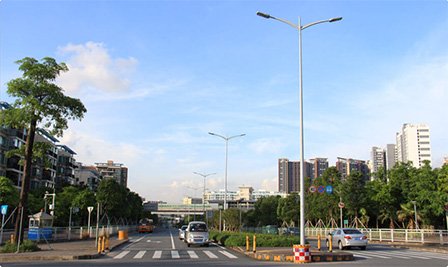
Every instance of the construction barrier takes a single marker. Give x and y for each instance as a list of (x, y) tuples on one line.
[(122, 234), (302, 254)]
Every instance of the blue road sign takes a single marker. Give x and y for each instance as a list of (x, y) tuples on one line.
[(4, 209), (329, 189), (321, 189)]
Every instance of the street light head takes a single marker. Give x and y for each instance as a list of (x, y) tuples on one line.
[(335, 19), (261, 14)]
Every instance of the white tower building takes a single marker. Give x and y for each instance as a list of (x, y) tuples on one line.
[(413, 144)]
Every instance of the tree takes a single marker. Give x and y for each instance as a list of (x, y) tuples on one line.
[(8, 193), (288, 209), (353, 193), (112, 196), (39, 103)]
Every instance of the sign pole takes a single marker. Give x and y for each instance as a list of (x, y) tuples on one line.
[(1, 233)]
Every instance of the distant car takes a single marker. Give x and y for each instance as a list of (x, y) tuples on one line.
[(270, 229), (347, 238), (197, 234), (182, 232), (292, 231)]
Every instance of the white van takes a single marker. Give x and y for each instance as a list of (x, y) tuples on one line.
[(197, 234)]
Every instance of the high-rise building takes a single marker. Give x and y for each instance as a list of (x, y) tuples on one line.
[(289, 175), (318, 166), (391, 156), (346, 166), (413, 144), (113, 170), (378, 157)]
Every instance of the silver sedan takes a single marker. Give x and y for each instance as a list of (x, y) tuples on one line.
[(347, 238)]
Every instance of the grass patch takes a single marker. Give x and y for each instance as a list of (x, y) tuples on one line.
[(25, 246)]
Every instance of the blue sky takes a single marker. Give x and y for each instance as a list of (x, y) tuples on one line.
[(157, 76)]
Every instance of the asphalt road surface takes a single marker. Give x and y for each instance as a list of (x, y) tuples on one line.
[(163, 248)]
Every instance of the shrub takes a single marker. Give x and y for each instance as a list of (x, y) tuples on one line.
[(25, 246)]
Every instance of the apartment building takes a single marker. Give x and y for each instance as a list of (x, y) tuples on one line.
[(318, 167), (345, 166), (414, 144), (113, 170), (289, 175)]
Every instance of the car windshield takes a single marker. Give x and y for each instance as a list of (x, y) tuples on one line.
[(198, 227), (352, 231), (183, 227)]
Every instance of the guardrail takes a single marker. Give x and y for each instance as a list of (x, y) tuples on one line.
[(74, 233), (427, 236)]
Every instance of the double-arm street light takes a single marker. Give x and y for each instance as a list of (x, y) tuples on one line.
[(203, 193), (300, 28), (226, 138)]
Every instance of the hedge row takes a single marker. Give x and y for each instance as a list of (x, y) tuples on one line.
[(263, 240)]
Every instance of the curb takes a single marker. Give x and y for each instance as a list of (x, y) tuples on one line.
[(20, 257), (316, 256)]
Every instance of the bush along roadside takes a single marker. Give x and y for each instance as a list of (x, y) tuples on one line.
[(263, 240), (26, 246)]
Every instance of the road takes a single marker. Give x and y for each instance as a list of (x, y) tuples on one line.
[(163, 248)]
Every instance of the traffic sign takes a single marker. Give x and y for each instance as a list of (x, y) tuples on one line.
[(312, 189), (341, 205), (4, 210), (329, 189), (321, 189), (89, 209)]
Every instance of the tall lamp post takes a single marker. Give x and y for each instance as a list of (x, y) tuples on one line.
[(203, 193), (415, 213), (226, 138), (300, 28)]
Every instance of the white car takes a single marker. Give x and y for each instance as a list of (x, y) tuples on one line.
[(197, 234), (182, 232), (347, 238)]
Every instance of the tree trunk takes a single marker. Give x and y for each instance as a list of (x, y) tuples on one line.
[(23, 203)]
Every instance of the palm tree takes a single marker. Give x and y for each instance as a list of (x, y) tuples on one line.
[(407, 214)]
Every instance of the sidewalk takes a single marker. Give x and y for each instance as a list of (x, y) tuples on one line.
[(71, 250)]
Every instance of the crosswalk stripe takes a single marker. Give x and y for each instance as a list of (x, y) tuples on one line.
[(140, 254), (361, 256), (227, 254), (192, 254), (157, 254), (175, 254), (374, 254), (210, 254), (122, 254)]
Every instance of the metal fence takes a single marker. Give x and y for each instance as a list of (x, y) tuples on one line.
[(74, 233), (428, 236)]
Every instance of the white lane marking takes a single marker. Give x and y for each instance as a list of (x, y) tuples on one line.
[(425, 254), (140, 254), (122, 254), (228, 255), (157, 254), (175, 254), (210, 254), (172, 241), (361, 256), (373, 254), (192, 254)]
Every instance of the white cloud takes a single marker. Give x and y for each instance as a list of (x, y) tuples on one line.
[(92, 67)]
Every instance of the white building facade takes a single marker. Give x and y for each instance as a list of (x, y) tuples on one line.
[(414, 144)]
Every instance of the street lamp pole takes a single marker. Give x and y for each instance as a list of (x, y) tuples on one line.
[(226, 138), (203, 193), (415, 214), (299, 28)]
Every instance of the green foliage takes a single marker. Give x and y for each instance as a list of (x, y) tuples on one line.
[(25, 246), (263, 240), (8, 193)]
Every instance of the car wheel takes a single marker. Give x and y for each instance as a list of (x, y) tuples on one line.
[(188, 244), (340, 246), (363, 247)]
